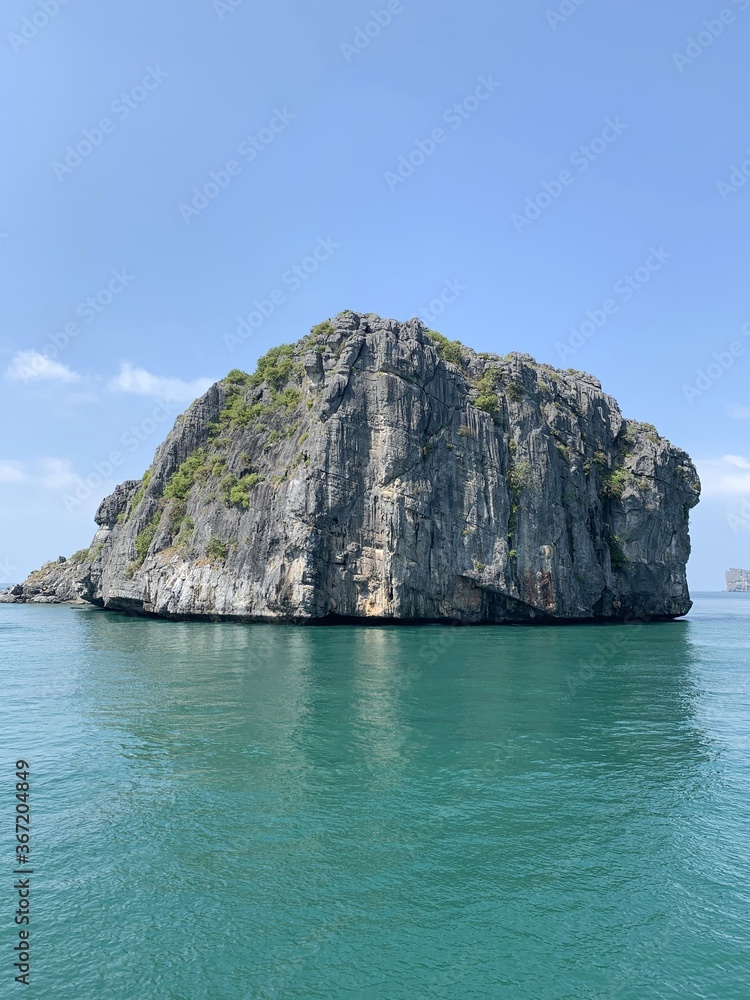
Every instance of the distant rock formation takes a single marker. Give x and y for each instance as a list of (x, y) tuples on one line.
[(738, 581), (375, 471)]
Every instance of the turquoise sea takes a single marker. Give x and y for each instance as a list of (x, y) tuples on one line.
[(229, 811)]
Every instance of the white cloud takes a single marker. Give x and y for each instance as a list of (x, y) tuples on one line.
[(11, 472), (31, 366), (49, 473), (739, 412), (57, 474), (143, 383), (725, 477)]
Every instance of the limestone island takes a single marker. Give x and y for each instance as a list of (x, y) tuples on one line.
[(377, 472), (738, 581)]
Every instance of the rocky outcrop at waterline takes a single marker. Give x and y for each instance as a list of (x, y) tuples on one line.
[(56, 582), (376, 471)]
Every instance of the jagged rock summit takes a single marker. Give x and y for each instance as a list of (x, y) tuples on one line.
[(376, 471)]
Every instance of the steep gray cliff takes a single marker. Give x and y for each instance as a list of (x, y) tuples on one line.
[(375, 470), (738, 581)]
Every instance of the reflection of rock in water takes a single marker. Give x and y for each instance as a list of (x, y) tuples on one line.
[(327, 698)]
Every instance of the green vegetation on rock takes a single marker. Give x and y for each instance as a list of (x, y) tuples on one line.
[(145, 537), (514, 391), (324, 329), (236, 492), (184, 478), (275, 367), (617, 557), (176, 514), (520, 478), (288, 399), (614, 482), (216, 550), (488, 386), (449, 350), (137, 496)]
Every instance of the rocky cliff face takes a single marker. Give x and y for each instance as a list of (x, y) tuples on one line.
[(738, 581), (377, 471)]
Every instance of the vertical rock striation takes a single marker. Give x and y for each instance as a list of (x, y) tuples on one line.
[(376, 471)]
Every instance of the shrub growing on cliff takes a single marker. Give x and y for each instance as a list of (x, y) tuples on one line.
[(216, 550), (275, 367), (237, 377), (239, 413), (515, 391), (145, 537), (80, 556), (324, 329), (239, 494), (288, 399), (449, 350), (176, 515), (182, 480), (236, 492), (184, 535), (617, 557), (137, 496), (613, 483), (519, 478), (488, 387)]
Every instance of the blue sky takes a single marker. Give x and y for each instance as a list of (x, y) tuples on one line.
[(542, 166)]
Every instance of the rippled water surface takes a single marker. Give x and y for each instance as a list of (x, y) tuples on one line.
[(227, 811)]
